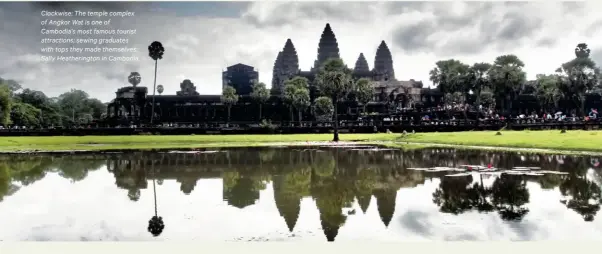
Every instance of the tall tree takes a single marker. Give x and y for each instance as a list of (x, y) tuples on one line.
[(323, 108), (95, 108), (13, 86), (547, 91), (155, 51), (33, 97), (290, 91), (579, 76), (301, 101), (134, 78), (478, 80), (5, 104), (229, 98), (449, 75), (261, 95), (335, 81), (364, 91), (50, 113), (73, 104), (507, 76), (24, 114)]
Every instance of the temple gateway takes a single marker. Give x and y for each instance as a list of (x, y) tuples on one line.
[(133, 104)]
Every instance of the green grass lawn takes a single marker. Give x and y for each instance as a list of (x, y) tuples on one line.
[(572, 140), (156, 141)]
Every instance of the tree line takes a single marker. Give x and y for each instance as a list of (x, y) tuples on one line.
[(31, 108), (500, 83)]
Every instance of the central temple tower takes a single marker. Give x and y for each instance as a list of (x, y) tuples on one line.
[(383, 62), (328, 47)]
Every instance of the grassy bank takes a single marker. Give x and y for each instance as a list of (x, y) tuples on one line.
[(8, 144), (570, 141)]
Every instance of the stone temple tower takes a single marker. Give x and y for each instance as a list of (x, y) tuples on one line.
[(327, 48), (285, 67), (361, 65), (383, 63), (276, 72)]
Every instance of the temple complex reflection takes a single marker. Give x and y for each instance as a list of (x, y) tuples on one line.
[(338, 180)]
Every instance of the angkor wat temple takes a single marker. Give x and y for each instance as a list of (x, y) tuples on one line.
[(133, 103), (382, 74)]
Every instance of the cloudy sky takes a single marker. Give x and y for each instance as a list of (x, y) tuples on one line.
[(202, 38)]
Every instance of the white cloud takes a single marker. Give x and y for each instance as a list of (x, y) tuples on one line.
[(198, 48)]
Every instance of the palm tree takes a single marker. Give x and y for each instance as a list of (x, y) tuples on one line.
[(480, 80), (301, 101), (364, 91), (5, 104), (335, 81), (548, 91), (579, 76), (160, 89), (260, 94), (506, 75), (134, 78), (155, 51), (582, 50), (448, 75), (155, 224), (290, 88), (323, 108), (229, 98)]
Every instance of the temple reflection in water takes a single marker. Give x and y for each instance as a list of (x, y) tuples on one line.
[(339, 181)]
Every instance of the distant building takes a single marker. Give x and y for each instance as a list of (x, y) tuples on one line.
[(241, 77)]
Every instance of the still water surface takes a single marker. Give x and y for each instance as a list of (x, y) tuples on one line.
[(286, 194)]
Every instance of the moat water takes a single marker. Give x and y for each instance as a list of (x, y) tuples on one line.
[(288, 194)]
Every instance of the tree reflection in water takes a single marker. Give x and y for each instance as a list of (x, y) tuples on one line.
[(155, 224), (481, 196), (336, 179), (581, 195), (453, 195), (510, 195)]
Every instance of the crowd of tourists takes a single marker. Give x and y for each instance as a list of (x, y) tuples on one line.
[(488, 114)]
